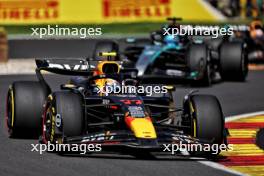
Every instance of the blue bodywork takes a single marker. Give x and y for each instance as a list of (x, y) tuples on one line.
[(150, 53)]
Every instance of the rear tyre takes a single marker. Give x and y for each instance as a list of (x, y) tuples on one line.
[(105, 46), (207, 121), (214, 44), (25, 100), (197, 61), (63, 116), (233, 62)]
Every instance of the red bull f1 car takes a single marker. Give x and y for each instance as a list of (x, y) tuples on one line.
[(79, 114)]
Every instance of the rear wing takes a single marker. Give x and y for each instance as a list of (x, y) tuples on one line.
[(82, 67), (66, 66)]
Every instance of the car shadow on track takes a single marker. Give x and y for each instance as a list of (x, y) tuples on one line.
[(141, 156)]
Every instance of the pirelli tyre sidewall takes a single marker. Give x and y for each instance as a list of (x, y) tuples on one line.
[(10, 108), (197, 58), (63, 116), (233, 61), (24, 105), (207, 120)]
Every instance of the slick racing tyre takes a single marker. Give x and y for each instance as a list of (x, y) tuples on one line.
[(196, 58), (207, 121), (63, 116), (25, 100), (233, 61), (105, 46)]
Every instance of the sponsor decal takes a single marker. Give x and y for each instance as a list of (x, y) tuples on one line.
[(29, 9), (136, 111), (98, 137), (135, 8), (77, 67)]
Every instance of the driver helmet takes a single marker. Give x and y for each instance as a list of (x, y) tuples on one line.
[(170, 39), (106, 85)]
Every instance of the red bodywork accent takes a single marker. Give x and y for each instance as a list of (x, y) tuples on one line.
[(129, 120), (114, 107), (129, 102)]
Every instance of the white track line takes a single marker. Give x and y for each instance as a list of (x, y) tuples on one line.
[(220, 166), (242, 116)]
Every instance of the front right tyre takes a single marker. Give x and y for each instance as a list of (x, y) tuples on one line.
[(24, 104), (207, 121), (63, 116)]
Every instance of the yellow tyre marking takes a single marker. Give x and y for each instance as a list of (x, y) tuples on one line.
[(52, 127), (13, 108), (191, 107), (53, 110), (194, 121), (194, 128), (60, 141)]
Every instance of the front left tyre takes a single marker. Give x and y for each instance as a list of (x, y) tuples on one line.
[(207, 118)]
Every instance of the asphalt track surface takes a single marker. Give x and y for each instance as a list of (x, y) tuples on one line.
[(76, 48), (16, 157)]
